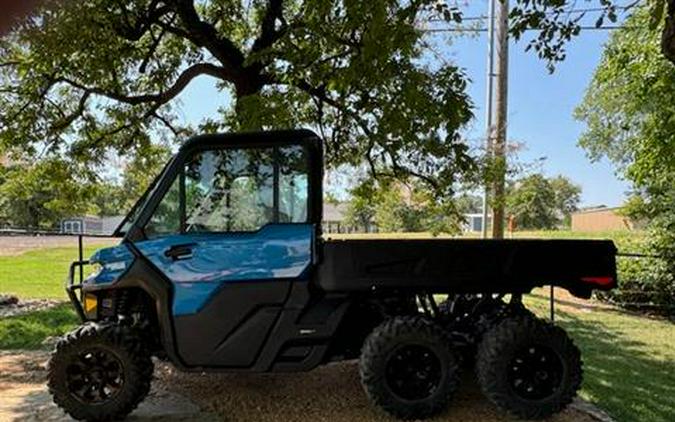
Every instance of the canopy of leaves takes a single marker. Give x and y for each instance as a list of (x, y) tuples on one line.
[(629, 111), (83, 78), (86, 77)]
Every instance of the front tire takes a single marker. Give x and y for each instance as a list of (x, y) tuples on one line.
[(408, 368), (100, 372), (528, 367)]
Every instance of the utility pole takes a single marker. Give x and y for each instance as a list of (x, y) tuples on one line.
[(489, 107), (501, 97)]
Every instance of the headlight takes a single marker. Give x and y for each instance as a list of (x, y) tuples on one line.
[(95, 268)]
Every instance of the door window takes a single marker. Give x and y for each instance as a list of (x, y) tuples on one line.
[(234, 190)]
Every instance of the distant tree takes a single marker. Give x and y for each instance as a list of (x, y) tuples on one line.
[(537, 202), (330, 198), (469, 204), (39, 195), (109, 198), (396, 207), (532, 202), (567, 197), (361, 206), (113, 197)]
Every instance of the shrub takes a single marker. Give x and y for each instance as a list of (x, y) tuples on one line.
[(645, 284)]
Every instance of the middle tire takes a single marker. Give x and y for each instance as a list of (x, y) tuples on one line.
[(528, 367), (408, 368)]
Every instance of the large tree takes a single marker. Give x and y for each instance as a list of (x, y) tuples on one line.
[(628, 110), (85, 77)]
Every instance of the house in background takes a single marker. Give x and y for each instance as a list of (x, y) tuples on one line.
[(603, 219), (474, 223), (82, 225), (91, 225), (334, 220)]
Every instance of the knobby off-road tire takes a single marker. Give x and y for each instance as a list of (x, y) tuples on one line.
[(408, 368), (528, 367), (467, 325), (100, 372)]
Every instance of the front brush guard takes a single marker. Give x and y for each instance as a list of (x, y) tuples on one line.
[(72, 288)]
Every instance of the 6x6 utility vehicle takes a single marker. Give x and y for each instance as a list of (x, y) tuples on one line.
[(222, 267)]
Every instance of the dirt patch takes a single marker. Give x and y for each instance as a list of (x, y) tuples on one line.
[(26, 306), (16, 245), (566, 301), (330, 393)]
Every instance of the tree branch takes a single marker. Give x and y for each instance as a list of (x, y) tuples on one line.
[(67, 120), (134, 31), (153, 47), (321, 94), (268, 32), (205, 35), (160, 98), (166, 123)]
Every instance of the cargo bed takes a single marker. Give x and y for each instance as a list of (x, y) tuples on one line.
[(468, 265)]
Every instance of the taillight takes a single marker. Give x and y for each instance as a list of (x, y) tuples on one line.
[(600, 281)]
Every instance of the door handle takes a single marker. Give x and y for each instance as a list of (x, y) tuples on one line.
[(177, 252)]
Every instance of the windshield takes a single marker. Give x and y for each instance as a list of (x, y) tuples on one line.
[(131, 217)]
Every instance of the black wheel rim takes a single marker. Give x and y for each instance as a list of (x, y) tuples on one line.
[(413, 372), (535, 372), (95, 376)]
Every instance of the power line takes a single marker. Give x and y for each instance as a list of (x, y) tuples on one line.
[(570, 11), (583, 28)]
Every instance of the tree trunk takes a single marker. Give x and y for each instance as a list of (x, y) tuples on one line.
[(244, 88)]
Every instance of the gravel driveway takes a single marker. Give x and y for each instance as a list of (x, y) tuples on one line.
[(330, 393)]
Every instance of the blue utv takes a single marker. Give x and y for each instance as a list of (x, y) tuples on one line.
[(222, 266)]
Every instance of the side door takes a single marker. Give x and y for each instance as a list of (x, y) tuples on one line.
[(231, 234)]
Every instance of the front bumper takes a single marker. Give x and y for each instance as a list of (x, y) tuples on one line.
[(74, 289)]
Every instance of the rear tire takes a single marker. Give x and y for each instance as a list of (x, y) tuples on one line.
[(528, 367), (100, 372), (408, 368)]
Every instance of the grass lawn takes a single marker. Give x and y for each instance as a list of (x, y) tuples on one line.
[(629, 360), (39, 273), (29, 330)]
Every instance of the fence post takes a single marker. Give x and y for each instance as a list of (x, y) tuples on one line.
[(552, 300), (79, 245)]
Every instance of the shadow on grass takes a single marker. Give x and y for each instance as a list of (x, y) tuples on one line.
[(619, 377)]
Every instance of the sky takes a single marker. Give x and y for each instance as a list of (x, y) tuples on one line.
[(540, 106)]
